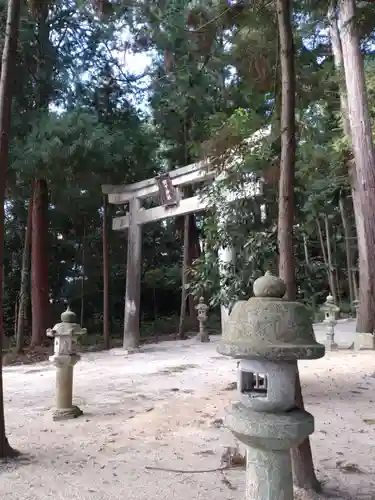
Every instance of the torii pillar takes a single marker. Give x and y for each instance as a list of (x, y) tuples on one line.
[(133, 279)]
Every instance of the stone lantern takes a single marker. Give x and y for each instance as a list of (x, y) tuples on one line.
[(330, 310), (202, 309), (64, 358), (267, 335)]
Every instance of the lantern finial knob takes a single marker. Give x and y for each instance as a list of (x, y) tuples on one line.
[(269, 286), (68, 316), (330, 299)]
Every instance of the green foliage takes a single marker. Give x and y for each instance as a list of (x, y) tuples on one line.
[(212, 84)]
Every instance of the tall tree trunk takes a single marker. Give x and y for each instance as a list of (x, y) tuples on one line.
[(348, 248), (45, 52), (365, 312), (83, 273), (288, 148), (39, 264), (39, 244), (331, 270), (363, 269), (6, 86), (303, 467), (355, 285), (194, 253), (105, 274), (185, 263), (322, 246), (25, 280), (363, 149), (305, 249), (16, 304), (334, 34), (331, 281), (337, 274)]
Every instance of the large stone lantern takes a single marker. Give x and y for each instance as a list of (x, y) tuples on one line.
[(268, 334)]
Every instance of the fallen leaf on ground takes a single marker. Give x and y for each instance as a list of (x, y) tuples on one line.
[(369, 421)]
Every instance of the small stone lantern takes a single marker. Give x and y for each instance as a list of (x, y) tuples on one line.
[(268, 334), (202, 309), (64, 359), (330, 310)]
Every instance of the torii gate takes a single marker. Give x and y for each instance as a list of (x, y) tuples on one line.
[(168, 187)]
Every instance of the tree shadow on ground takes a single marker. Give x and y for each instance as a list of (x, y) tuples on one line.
[(22, 460)]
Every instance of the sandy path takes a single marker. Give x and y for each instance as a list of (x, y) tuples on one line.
[(163, 407)]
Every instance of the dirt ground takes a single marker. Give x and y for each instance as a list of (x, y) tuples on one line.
[(163, 407)]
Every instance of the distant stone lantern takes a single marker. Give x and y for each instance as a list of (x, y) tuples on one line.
[(202, 309), (268, 334), (64, 358), (330, 310)]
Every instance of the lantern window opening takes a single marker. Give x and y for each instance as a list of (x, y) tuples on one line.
[(254, 384)]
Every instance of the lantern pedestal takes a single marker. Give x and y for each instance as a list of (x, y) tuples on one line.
[(268, 474), (268, 438), (330, 343), (202, 336), (64, 409)]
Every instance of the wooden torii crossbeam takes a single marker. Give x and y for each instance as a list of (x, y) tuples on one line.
[(168, 188)]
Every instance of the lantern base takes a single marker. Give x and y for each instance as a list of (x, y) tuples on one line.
[(132, 350), (330, 343), (202, 337), (59, 414)]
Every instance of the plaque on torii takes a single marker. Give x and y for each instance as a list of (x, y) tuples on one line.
[(167, 193)]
